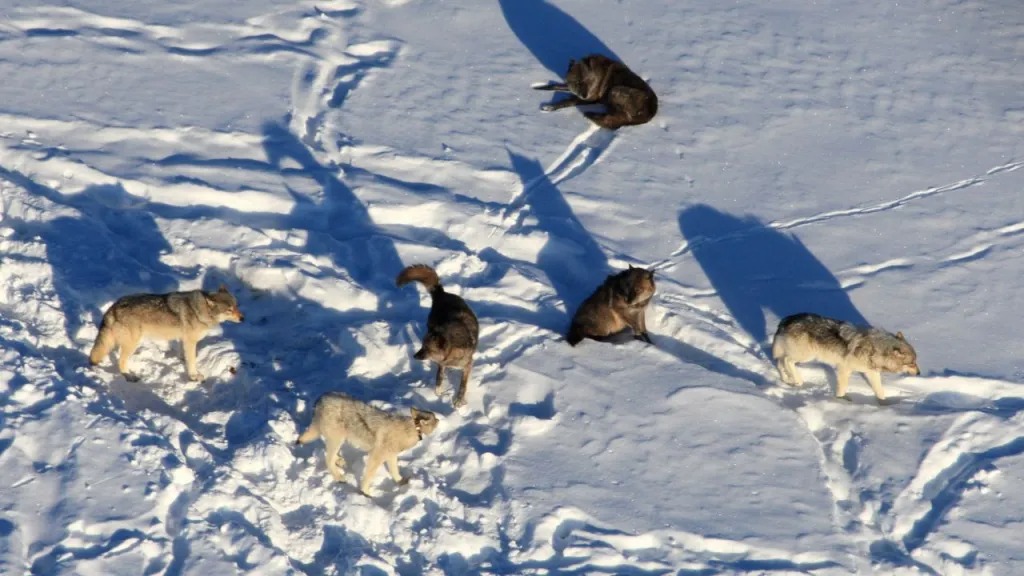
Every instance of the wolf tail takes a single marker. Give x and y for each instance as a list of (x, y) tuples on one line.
[(105, 341), (420, 273), (311, 433), (575, 335)]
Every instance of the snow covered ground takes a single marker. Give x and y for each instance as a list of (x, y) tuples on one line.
[(856, 159)]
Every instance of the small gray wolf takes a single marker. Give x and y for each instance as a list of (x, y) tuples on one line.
[(597, 79), (338, 418), (452, 329), (185, 316), (845, 347), (619, 302)]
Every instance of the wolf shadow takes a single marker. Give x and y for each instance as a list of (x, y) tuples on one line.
[(551, 35), (110, 248), (757, 269)]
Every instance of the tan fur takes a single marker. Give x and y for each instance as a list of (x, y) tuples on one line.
[(845, 347), (452, 330), (620, 302), (185, 316), (597, 79), (339, 418)]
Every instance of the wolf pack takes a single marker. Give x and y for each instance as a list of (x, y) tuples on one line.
[(616, 308)]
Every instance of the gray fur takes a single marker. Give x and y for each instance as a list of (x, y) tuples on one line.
[(452, 330), (845, 347), (338, 418), (185, 316), (597, 79)]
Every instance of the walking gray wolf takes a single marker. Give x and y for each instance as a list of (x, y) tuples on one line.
[(845, 347), (597, 79), (338, 418), (185, 316), (452, 329), (619, 302)]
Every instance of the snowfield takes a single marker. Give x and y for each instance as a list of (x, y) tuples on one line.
[(855, 159)]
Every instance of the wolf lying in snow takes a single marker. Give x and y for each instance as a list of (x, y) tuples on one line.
[(338, 418), (597, 79), (845, 347)]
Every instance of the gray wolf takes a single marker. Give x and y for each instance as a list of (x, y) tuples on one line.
[(845, 347), (597, 79), (185, 316), (452, 329), (338, 418), (619, 302)]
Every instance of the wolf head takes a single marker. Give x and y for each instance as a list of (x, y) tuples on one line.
[(636, 284), (424, 420), (224, 306), (435, 347), (899, 356), (583, 77)]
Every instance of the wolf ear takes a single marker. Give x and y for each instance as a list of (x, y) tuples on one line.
[(631, 267), (414, 413), (650, 271), (223, 288), (900, 336)]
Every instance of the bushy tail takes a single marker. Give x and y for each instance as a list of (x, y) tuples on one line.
[(311, 433), (420, 273), (105, 342)]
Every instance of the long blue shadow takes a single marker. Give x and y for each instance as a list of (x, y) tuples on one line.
[(110, 249), (755, 269), (551, 35), (572, 260)]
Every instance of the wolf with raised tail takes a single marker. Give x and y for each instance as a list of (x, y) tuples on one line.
[(338, 418), (185, 316), (452, 329), (844, 346)]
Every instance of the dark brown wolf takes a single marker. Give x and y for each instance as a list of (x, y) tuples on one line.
[(452, 329), (596, 79), (619, 302)]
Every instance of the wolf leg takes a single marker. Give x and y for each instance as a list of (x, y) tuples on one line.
[(639, 325), (373, 461), (392, 463), (439, 381), (189, 345), (554, 86), (780, 365), (568, 102), (842, 381), (126, 348), (335, 463), (874, 378), (460, 397), (611, 121), (794, 374)]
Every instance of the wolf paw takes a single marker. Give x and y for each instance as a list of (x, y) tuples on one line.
[(404, 480), (130, 377), (845, 398), (547, 108), (458, 403), (886, 401), (196, 377)]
